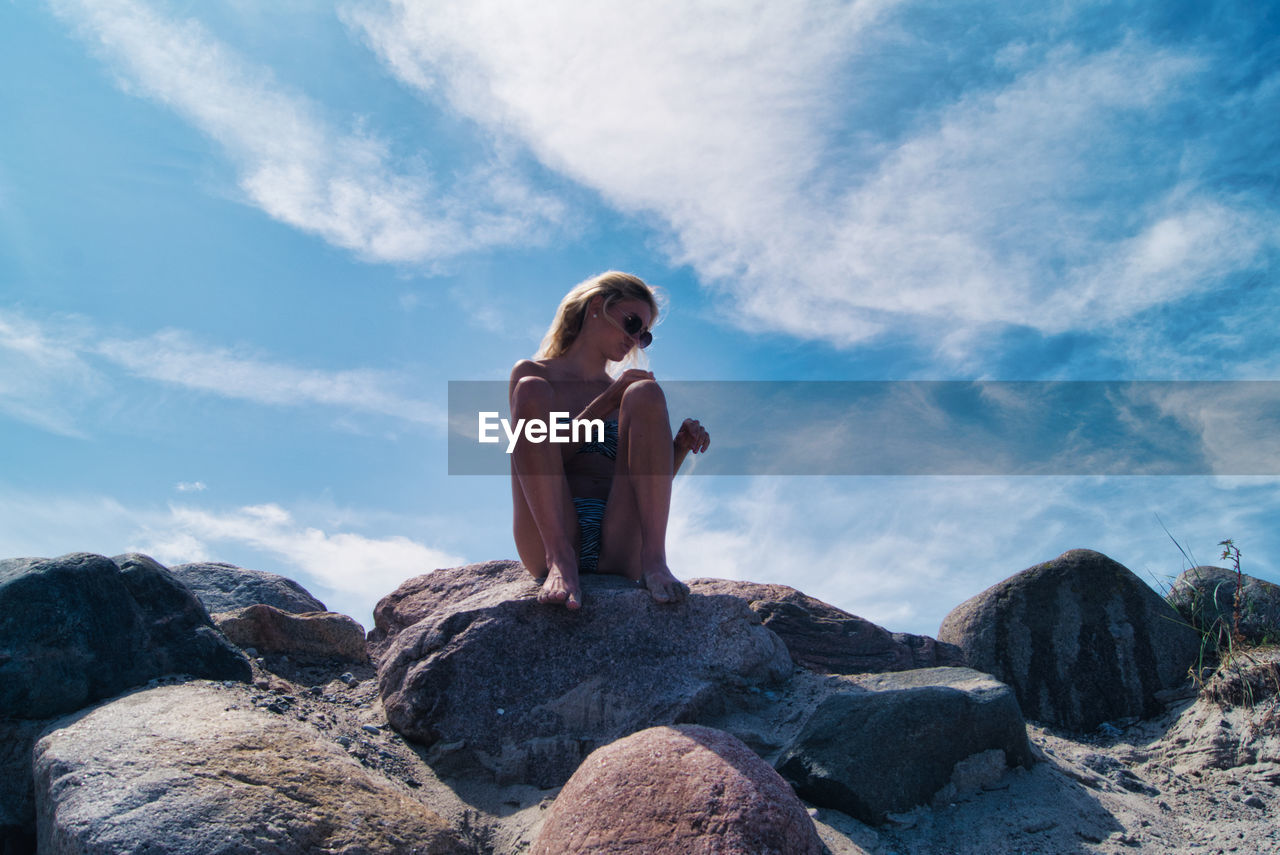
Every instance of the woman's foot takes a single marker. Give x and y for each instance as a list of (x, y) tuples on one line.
[(561, 586), (662, 585)]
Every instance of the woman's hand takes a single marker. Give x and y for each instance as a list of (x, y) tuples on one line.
[(692, 436)]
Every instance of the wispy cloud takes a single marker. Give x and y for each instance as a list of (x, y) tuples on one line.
[(42, 380), (1052, 185), (53, 368), (903, 552), (347, 186), (357, 568)]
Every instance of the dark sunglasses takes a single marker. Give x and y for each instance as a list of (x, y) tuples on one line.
[(634, 327)]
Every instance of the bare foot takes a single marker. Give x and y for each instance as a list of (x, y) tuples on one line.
[(561, 586), (663, 587)]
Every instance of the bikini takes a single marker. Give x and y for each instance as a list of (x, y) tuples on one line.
[(591, 511)]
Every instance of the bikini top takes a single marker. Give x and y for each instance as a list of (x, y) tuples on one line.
[(608, 446)]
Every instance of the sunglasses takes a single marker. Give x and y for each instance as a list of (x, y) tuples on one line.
[(634, 327)]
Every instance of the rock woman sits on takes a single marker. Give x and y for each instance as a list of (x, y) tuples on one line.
[(599, 505)]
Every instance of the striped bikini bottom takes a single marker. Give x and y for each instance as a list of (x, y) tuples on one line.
[(590, 521)]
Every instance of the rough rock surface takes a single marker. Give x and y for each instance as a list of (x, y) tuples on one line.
[(891, 742), (828, 640), (80, 628), (423, 596), (226, 587), (186, 769), (315, 634), (1081, 640), (527, 690), (1205, 596), (684, 790), (17, 796)]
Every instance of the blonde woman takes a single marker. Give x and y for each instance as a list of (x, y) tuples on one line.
[(600, 505)]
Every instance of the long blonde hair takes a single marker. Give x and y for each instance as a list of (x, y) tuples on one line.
[(612, 285)]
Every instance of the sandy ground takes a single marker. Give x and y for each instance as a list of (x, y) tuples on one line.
[(1202, 778)]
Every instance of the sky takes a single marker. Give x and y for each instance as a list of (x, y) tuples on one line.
[(245, 247)]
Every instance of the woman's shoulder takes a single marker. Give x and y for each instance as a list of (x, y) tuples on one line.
[(529, 368)]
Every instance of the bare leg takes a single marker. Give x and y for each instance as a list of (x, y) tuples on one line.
[(634, 534), (545, 525)]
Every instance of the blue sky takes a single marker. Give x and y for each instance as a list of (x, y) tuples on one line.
[(244, 247)]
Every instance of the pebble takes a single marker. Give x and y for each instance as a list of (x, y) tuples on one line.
[(371, 728), (349, 679), (1255, 802)]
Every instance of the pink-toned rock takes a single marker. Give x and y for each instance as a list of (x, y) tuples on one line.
[(683, 790), (270, 630)]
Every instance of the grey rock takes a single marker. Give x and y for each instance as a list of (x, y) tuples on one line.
[(425, 595), (890, 742), (527, 690), (182, 770), (226, 587), (315, 634), (1205, 597), (1080, 639), (77, 629), (17, 794), (673, 791), (828, 640)]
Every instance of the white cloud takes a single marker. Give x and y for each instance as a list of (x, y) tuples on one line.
[(191, 486), (43, 380), (1029, 200), (903, 552), (51, 369), (355, 569), (347, 187), (173, 357)]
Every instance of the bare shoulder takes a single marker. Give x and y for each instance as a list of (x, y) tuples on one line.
[(526, 368)]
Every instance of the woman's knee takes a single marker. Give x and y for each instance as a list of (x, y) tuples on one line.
[(644, 395), (532, 396)]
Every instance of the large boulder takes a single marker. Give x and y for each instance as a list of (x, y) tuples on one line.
[(828, 640), (426, 595), (528, 690), (194, 770), (226, 587), (889, 742), (313, 635), (1205, 597), (80, 628), (1081, 640), (684, 790)]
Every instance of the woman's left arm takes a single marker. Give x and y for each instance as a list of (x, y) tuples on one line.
[(692, 436)]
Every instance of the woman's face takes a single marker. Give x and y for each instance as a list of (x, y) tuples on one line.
[(624, 315)]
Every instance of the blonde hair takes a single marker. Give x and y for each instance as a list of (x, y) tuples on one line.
[(612, 285)]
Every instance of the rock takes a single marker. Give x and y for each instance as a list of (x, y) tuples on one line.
[(1205, 596), (182, 770), (527, 690), (423, 596), (827, 640), (73, 631), (315, 634), (679, 790), (17, 795), (226, 588), (890, 742), (1081, 640)]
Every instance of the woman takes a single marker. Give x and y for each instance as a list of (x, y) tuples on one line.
[(602, 505)]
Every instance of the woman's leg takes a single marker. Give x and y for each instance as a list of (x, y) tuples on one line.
[(634, 535), (545, 525)]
